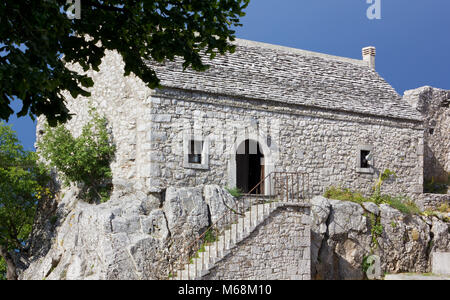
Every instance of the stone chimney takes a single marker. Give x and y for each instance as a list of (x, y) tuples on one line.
[(368, 54)]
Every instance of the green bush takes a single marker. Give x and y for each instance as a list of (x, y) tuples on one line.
[(210, 237), (23, 183), (85, 159), (400, 203), (444, 208), (235, 192), (2, 269), (404, 205), (344, 194)]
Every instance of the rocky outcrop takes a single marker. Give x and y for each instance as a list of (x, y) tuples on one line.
[(137, 236), (132, 236), (343, 234)]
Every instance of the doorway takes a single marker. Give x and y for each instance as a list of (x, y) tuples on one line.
[(250, 167)]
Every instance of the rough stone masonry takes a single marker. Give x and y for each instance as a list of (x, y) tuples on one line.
[(279, 249)]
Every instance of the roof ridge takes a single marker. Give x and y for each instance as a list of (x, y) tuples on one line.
[(249, 43)]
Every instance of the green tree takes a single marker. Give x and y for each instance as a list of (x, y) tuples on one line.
[(2, 269), (22, 184), (36, 35), (85, 159)]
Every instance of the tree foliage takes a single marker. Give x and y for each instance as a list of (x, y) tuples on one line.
[(22, 183), (84, 159), (35, 35), (2, 269)]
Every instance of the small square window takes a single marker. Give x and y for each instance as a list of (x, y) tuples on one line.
[(365, 159), (364, 163), (195, 152)]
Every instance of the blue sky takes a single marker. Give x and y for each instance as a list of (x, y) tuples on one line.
[(412, 38)]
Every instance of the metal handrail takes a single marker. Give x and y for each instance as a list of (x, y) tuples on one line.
[(224, 218)]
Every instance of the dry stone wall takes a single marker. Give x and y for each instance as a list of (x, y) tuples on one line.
[(432, 201), (279, 249)]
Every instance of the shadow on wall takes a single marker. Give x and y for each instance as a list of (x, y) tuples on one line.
[(327, 264), (433, 168)]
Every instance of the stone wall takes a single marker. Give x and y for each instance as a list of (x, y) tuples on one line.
[(279, 249), (432, 201), (434, 105), (121, 99), (322, 144)]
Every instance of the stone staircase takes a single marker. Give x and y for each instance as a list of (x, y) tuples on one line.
[(216, 251)]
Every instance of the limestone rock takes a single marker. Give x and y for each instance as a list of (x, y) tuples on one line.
[(218, 201), (441, 235), (320, 211), (405, 244), (132, 236), (186, 211)]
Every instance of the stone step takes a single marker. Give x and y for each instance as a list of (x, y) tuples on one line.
[(226, 241)]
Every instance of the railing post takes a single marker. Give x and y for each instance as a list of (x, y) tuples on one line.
[(237, 223), (217, 244), (250, 212), (257, 219), (292, 187), (225, 237), (303, 187), (264, 206), (243, 217), (287, 187), (270, 192), (189, 271), (309, 189)]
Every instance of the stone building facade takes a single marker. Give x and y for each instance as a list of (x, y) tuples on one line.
[(292, 110)]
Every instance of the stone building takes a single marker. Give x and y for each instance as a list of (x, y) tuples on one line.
[(264, 108)]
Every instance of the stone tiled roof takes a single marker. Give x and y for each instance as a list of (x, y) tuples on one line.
[(268, 72)]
